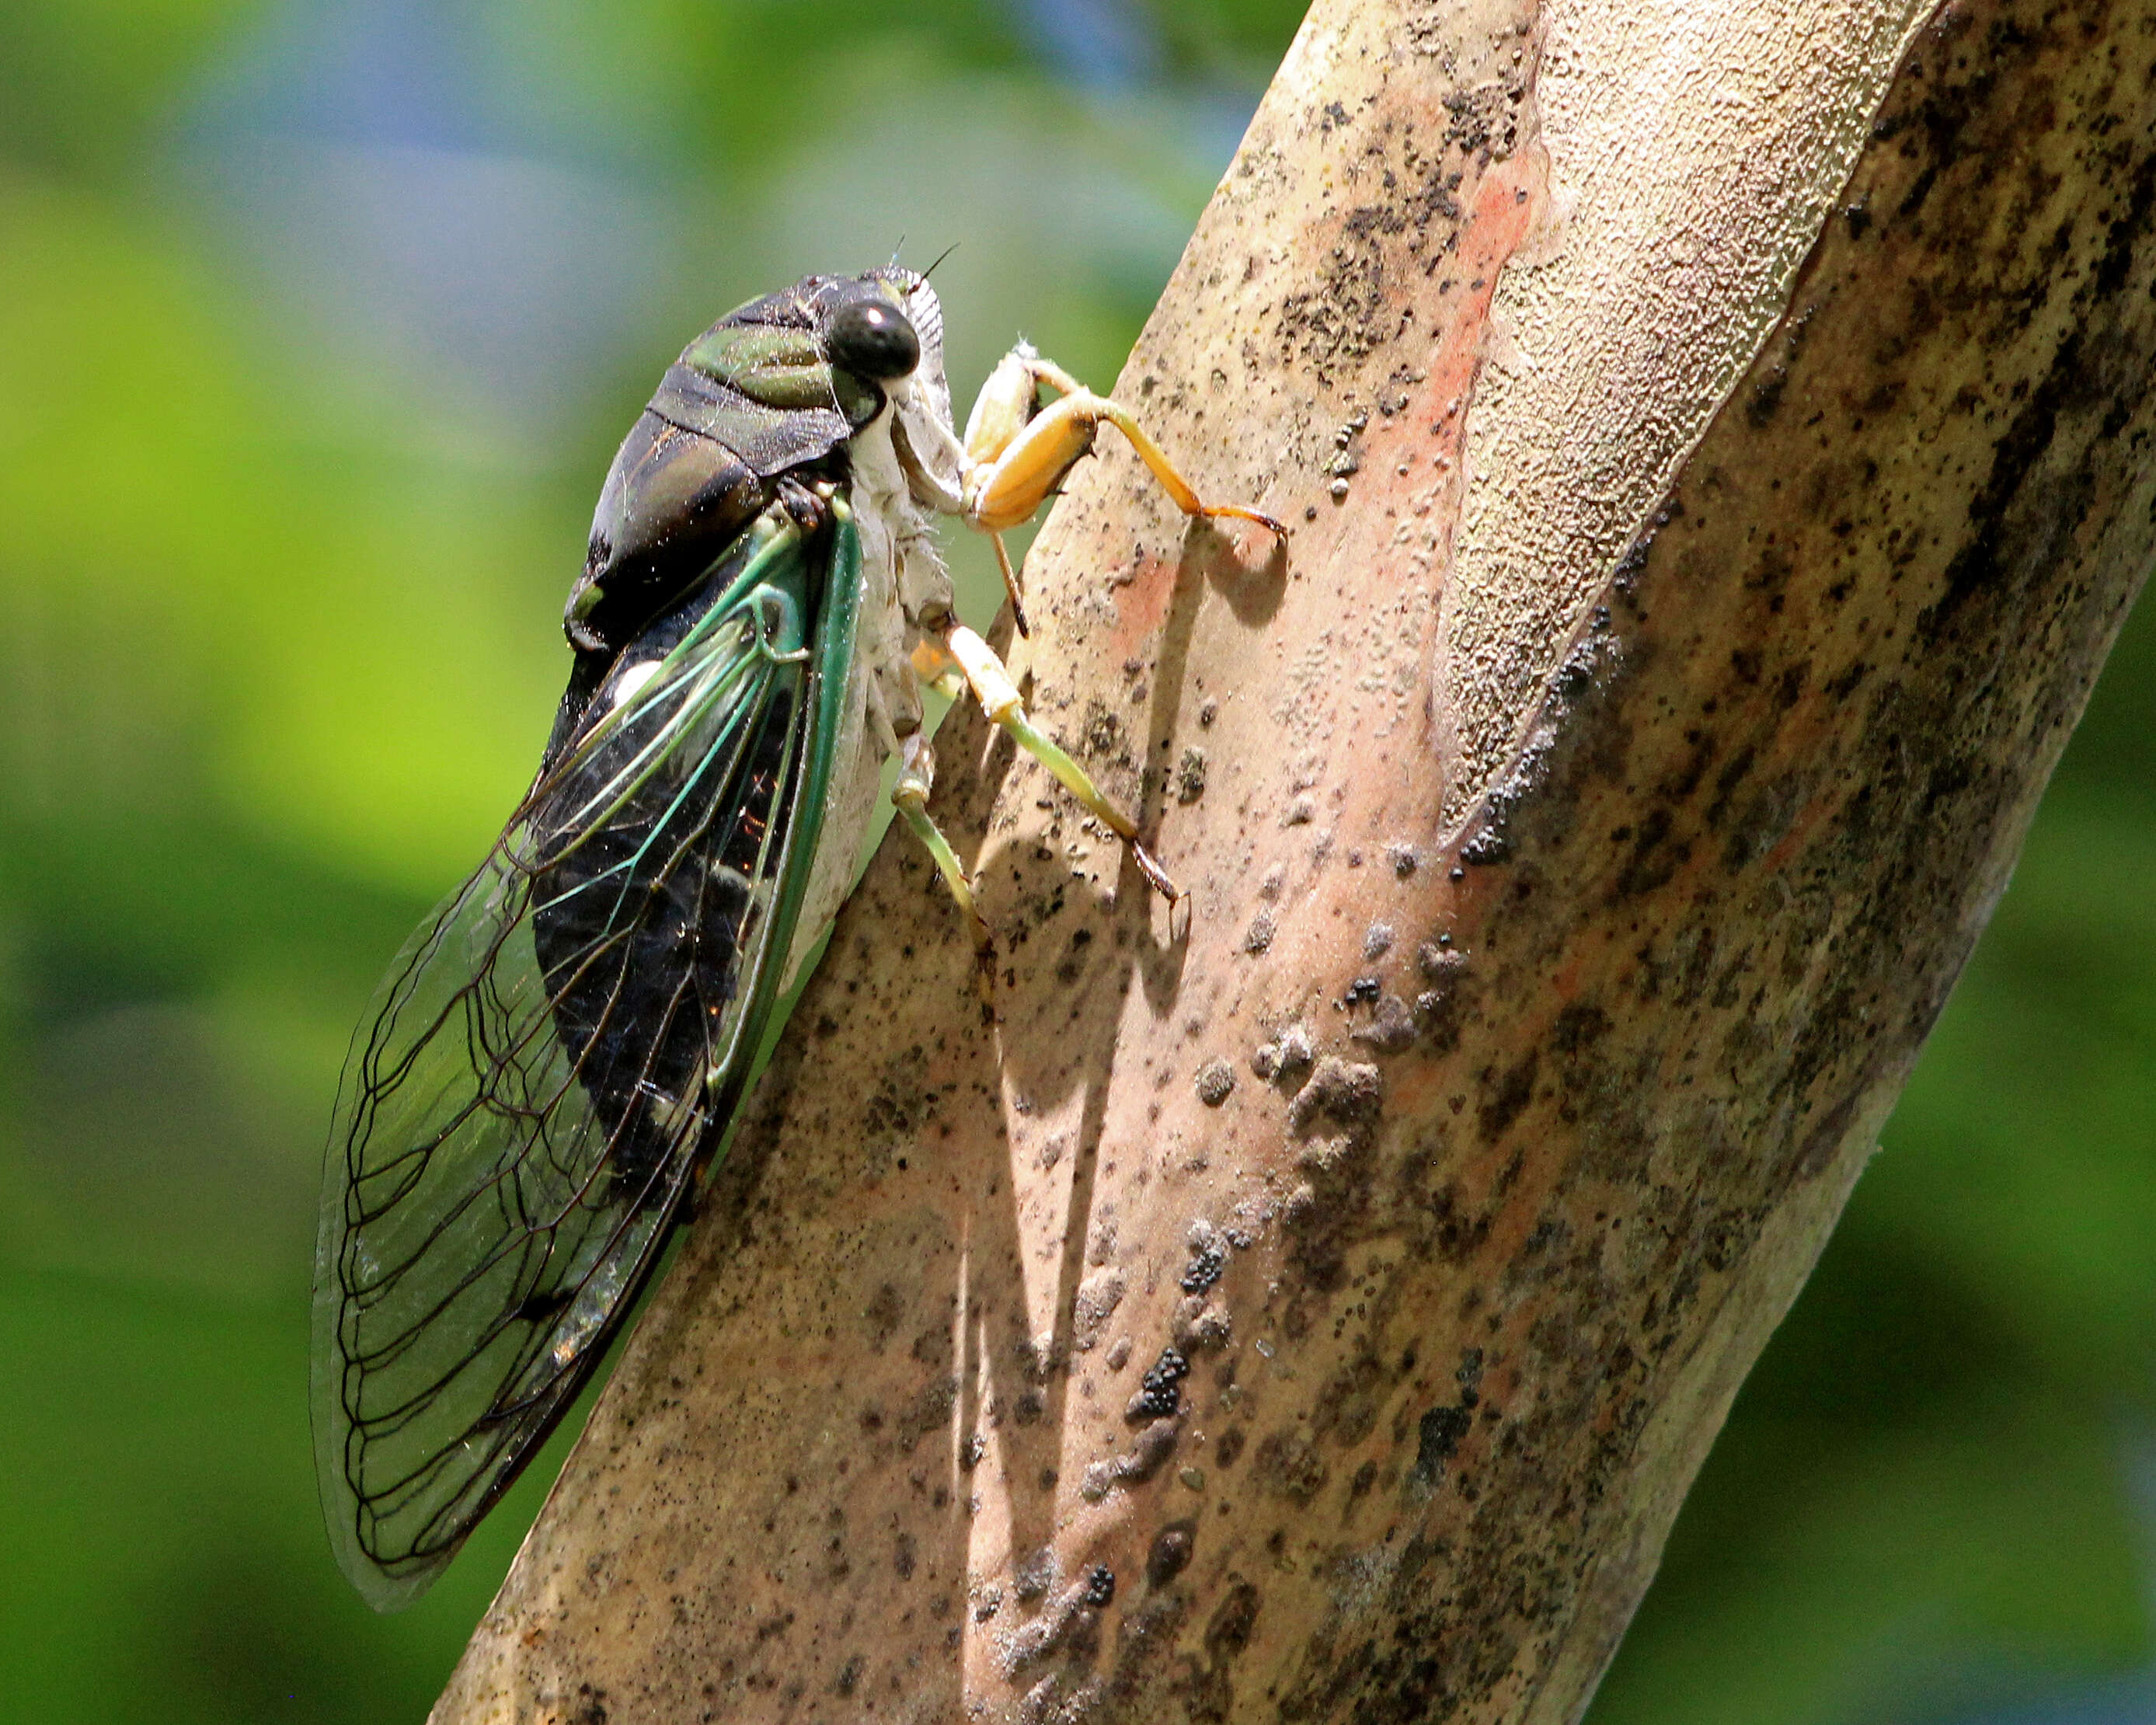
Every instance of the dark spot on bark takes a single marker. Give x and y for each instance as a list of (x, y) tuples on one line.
[(1817, 1153), (1207, 1264), (1734, 772), (1103, 729), (1288, 1465), (901, 1100), (1766, 398), (1438, 1435), (1844, 683), (1578, 1028), (1150, 1451), (1233, 1619), (1507, 1100), (1170, 1555), (884, 1313), (1656, 855)]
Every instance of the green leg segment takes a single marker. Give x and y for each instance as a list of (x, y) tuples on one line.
[(916, 778), (1044, 749)]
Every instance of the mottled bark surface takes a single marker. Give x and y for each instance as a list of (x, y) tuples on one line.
[(1318, 1313)]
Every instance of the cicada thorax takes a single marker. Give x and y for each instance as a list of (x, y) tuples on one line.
[(763, 395), (674, 500)]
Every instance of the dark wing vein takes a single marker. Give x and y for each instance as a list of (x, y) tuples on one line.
[(516, 1126)]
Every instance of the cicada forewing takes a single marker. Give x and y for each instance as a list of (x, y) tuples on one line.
[(553, 1056)]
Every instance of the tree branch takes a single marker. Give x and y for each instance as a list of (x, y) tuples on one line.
[(1320, 1314)]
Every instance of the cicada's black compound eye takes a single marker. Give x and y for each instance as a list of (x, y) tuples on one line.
[(872, 338)]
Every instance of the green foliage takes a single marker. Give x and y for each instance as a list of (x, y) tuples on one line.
[(282, 586), (1227, 37), (83, 81)]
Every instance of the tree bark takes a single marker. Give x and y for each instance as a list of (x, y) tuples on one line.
[(1716, 441)]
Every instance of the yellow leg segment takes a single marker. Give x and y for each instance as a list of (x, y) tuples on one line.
[(1023, 472)]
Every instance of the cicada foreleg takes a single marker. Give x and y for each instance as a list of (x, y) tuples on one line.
[(1017, 452)]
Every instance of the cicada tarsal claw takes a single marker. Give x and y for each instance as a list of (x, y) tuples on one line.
[(1017, 453)]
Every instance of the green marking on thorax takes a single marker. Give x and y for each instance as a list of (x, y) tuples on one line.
[(780, 369)]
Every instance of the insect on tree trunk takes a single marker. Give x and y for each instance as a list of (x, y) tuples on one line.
[(1715, 438)]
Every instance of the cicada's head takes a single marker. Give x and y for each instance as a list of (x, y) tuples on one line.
[(859, 311), (826, 353), (886, 328)]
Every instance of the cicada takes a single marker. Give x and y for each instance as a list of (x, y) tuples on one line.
[(554, 1058)]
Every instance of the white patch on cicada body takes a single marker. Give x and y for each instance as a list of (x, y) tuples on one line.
[(923, 433), (630, 679)]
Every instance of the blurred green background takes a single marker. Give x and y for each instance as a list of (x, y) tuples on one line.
[(319, 322)]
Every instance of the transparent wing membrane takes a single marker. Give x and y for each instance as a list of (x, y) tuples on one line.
[(546, 1063)]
